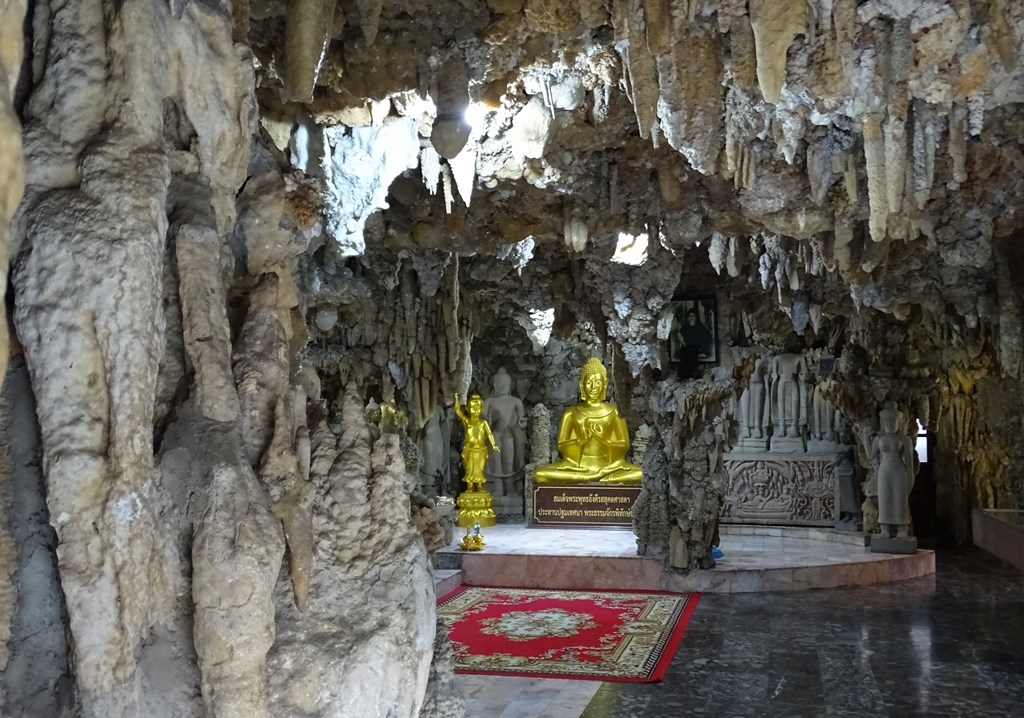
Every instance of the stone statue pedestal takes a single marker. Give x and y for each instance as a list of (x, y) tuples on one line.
[(787, 445), (750, 445), (893, 544), (476, 507), (851, 524), (821, 446)]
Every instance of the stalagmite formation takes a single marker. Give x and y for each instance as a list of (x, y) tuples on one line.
[(11, 186), (238, 544), (36, 661), (380, 622), (443, 697), (236, 557), (203, 301), (1011, 341), (261, 367), (98, 465)]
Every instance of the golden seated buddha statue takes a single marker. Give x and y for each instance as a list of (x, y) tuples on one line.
[(592, 438)]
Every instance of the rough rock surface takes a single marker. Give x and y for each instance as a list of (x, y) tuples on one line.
[(443, 700), (36, 675), (98, 465)]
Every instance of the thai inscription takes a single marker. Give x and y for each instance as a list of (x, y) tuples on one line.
[(587, 505)]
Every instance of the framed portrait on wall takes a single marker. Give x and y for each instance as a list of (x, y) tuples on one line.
[(693, 337)]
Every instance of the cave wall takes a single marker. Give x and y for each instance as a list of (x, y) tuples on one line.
[(11, 187), (201, 520), (242, 224)]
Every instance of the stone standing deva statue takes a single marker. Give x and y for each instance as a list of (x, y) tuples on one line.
[(593, 438), (507, 418), (788, 392), (893, 454), (474, 445), (752, 407)]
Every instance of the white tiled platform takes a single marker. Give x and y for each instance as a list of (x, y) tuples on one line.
[(756, 559)]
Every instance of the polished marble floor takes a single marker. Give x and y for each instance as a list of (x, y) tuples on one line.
[(947, 645)]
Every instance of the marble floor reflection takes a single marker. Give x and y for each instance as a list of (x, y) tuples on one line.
[(949, 645)]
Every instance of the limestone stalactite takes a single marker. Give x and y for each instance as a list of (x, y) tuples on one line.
[(958, 142), (775, 25), (874, 160), (450, 130), (925, 142), (691, 96), (308, 28), (639, 63)]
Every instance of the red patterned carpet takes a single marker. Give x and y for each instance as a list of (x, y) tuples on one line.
[(593, 635)]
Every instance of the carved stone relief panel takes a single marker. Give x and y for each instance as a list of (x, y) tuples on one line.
[(769, 489)]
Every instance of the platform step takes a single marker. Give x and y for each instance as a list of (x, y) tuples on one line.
[(446, 580), (811, 533)]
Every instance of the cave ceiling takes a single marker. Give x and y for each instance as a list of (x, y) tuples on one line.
[(869, 151)]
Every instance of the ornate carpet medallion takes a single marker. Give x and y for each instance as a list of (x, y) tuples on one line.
[(598, 635), (525, 626)]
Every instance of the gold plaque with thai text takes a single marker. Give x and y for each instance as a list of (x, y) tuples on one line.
[(586, 505)]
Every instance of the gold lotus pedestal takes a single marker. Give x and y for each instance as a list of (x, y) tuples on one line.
[(476, 507)]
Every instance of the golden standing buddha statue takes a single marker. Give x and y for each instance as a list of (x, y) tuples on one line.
[(475, 504), (592, 438), (478, 437)]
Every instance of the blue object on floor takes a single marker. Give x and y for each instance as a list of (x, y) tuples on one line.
[(717, 553)]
